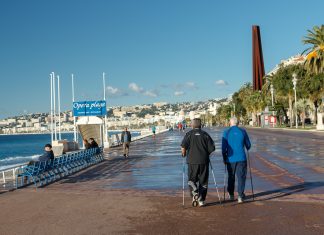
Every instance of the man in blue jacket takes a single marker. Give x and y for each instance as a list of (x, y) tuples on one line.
[(234, 142)]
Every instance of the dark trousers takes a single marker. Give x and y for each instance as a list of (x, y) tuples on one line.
[(239, 169), (198, 179)]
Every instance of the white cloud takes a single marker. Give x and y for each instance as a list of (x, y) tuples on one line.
[(115, 92), (179, 93), (191, 84), (112, 90), (150, 93), (221, 83), (134, 87), (185, 85)]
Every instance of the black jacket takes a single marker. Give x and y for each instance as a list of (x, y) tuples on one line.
[(199, 146), (94, 144), (129, 136), (48, 155)]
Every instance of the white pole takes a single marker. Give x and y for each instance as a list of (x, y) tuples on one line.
[(59, 105), (74, 119), (272, 101), (54, 106), (51, 108), (105, 122), (296, 108), (104, 85)]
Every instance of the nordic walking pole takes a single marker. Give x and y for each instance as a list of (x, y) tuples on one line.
[(248, 156), (220, 202), (183, 176), (224, 180)]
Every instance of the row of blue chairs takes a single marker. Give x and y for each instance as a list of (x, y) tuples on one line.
[(42, 173)]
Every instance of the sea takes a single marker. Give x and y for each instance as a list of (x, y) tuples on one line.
[(19, 149)]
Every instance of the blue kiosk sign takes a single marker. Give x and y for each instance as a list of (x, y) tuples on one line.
[(89, 108)]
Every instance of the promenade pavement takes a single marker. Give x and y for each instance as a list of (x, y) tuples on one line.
[(143, 194)]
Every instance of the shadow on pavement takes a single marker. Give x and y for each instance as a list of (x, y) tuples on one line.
[(274, 194)]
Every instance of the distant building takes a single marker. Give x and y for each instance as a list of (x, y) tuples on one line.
[(35, 120), (118, 113), (160, 104), (11, 121), (3, 123), (212, 108), (65, 117), (294, 60)]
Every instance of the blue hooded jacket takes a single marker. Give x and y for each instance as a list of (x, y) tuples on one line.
[(234, 142)]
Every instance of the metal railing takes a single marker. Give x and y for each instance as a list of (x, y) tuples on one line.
[(9, 175)]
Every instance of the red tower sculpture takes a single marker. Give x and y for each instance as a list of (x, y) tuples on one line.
[(258, 65)]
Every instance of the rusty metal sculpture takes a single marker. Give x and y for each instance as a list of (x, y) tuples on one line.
[(258, 65)]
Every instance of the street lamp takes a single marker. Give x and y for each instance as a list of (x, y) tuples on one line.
[(271, 90), (295, 83)]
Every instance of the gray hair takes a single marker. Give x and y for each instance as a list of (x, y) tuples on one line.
[(196, 123), (233, 121)]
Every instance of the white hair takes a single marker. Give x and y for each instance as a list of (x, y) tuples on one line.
[(233, 121)]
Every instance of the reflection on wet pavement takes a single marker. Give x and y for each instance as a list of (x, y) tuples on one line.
[(283, 163)]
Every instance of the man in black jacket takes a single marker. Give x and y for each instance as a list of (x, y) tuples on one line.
[(198, 145), (48, 155), (126, 138)]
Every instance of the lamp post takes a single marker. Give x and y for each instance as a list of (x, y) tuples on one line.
[(295, 83), (271, 90)]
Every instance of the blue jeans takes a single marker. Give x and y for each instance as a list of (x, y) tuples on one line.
[(239, 169)]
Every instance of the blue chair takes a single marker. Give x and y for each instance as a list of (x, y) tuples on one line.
[(29, 173)]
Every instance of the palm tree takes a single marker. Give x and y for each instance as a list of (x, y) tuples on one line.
[(314, 62), (314, 85)]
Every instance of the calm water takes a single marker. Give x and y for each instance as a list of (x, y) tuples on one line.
[(18, 149)]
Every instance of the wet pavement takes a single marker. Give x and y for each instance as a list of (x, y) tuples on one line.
[(143, 194), (286, 165)]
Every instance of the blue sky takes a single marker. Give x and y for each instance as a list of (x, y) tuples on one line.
[(150, 50)]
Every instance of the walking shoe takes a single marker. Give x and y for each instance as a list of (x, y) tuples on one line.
[(201, 203), (231, 197), (240, 200), (124, 155)]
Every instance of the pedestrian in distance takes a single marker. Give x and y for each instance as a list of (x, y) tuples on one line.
[(234, 142), (197, 145), (153, 131), (86, 144), (93, 143), (126, 138)]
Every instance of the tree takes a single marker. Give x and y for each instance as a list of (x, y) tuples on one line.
[(314, 63), (223, 114), (302, 106), (314, 88), (252, 101), (283, 86)]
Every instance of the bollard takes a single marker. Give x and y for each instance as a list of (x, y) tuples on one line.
[(3, 177)]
